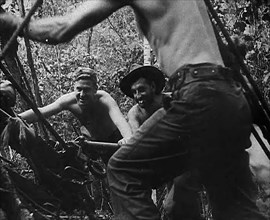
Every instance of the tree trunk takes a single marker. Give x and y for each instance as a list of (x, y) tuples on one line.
[(146, 53)]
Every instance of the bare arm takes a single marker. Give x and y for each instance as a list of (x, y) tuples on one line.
[(60, 29), (133, 120), (59, 105), (117, 116)]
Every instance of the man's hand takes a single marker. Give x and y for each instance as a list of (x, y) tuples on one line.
[(8, 23), (123, 141)]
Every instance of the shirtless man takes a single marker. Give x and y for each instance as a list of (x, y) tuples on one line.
[(96, 110), (207, 128), (144, 84)]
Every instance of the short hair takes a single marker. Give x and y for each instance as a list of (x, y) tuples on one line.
[(85, 73)]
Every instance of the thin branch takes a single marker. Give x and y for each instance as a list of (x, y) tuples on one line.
[(50, 73), (89, 40)]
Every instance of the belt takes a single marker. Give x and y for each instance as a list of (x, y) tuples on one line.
[(198, 72)]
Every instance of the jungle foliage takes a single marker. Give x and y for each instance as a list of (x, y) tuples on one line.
[(114, 45)]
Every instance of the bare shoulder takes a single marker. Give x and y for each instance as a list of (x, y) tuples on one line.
[(103, 94), (104, 97)]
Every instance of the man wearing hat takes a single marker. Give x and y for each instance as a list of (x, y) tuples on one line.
[(97, 111), (143, 84)]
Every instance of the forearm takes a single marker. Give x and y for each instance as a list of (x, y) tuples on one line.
[(61, 29), (133, 119), (134, 127), (29, 116), (47, 111), (124, 129), (50, 30)]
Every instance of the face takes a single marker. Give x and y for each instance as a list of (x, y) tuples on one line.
[(143, 92), (85, 92)]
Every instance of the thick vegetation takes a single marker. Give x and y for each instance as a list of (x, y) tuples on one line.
[(115, 44)]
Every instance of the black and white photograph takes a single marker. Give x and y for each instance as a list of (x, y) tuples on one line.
[(135, 110)]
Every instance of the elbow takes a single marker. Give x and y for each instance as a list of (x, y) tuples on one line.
[(66, 30), (62, 36), (56, 41), (56, 32), (58, 38)]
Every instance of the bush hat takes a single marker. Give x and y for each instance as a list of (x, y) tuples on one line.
[(150, 73)]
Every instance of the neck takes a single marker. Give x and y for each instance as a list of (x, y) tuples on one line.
[(155, 105)]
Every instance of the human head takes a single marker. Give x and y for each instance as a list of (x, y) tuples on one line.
[(143, 92), (7, 94), (150, 73), (142, 84), (85, 73), (85, 85)]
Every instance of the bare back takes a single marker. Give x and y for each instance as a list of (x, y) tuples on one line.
[(179, 32)]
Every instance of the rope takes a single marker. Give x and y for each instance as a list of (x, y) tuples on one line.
[(5, 113), (255, 95), (32, 105)]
